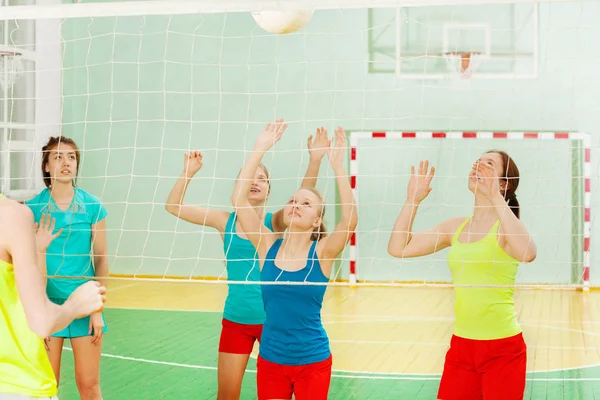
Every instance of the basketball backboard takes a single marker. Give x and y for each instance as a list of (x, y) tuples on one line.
[(412, 41)]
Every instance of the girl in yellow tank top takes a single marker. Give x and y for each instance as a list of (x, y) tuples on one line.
[(487, 355), (26, 313), (24, 365)]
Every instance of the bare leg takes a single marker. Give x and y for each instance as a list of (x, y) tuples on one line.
[(230, 375), (55, 346), (87, 367)]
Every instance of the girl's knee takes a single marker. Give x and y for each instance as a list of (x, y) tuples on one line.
[(89, 389)]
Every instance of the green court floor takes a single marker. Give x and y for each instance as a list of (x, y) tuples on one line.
[(173, 355)]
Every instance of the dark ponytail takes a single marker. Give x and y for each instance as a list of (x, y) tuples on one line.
[(513, 203), (511, 177)]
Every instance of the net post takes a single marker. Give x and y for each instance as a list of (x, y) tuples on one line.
[(587, 171), (352, 279)]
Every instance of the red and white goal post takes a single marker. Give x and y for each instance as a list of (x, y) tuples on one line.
[(584, 138)]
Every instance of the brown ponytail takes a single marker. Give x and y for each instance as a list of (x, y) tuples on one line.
[(513, 203), (511, 177)]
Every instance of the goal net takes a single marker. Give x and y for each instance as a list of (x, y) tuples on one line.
[(137, 84)]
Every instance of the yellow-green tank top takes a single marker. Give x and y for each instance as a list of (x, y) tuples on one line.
[(24, 365), (483, 313)]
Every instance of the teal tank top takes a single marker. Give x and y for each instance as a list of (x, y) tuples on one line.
[(244, 303), (70, 254)]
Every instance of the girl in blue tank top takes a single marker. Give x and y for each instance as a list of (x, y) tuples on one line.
[(244, 313), (295, 358)]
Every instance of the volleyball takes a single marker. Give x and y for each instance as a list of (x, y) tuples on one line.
[(282, 22)]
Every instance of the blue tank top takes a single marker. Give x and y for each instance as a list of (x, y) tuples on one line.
[(244, 303), (293, 333)]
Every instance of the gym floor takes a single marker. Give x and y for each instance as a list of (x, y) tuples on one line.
[(387, 343)]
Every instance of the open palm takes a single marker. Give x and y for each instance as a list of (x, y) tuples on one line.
[(419, 183), (487, 181), (192, 162), (43, 234), (318, 148), (337, 149), (270, 135)]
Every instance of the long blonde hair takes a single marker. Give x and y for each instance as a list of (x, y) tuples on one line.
[(321, 231)]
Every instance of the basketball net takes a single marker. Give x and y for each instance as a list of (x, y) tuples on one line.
[(462, 65), (11, 68)]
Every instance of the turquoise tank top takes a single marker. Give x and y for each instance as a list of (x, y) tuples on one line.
[(244, 303), (70, 254)]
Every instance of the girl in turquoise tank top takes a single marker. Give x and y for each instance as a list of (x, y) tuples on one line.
[(295, 358), (487, 356), (243, 314), (79, 251)]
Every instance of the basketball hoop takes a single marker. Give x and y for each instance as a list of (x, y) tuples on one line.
[(462, 64), (11, 67)]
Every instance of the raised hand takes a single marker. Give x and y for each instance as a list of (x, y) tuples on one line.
[(337, 149), (270, 135), (318, 148), (87, 299), (419, 184), (487, 181), (43, 232), (192, 162)]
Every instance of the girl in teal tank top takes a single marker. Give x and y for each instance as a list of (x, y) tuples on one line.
[(80, 250), (487, 355), (243, 314)]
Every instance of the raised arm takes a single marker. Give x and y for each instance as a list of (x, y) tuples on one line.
[(331, 246), (514, 237), (260, 236), (317, 149), (196, 215), (43, 316), (405, 243)]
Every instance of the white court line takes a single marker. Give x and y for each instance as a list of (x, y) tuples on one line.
[(391, 319), (362, 374), (386, 319)]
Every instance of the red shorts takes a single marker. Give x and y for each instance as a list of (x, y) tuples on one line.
[(306, 382), (484, 369), (238, 338)]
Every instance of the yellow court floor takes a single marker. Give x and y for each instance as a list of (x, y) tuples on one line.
[(404, 330)]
